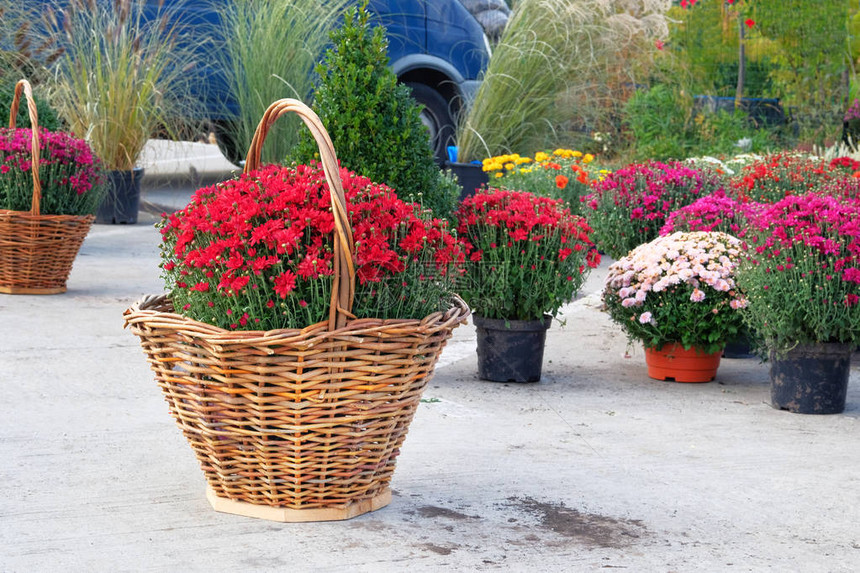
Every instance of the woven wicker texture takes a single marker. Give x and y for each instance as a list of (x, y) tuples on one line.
[(302, 419), (37, 251)]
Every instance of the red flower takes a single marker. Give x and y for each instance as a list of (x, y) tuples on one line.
[(749, 22), (561, 181), (285, 283)]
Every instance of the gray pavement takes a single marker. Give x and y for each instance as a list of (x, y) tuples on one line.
[(596, 467)]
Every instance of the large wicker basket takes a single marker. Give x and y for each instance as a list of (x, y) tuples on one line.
[(296, 425), (37, 251)]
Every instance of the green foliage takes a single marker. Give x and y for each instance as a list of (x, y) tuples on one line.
[(271, 48), (47, 116), (793, 50), (373, 121), (659, 122), (664, 127)]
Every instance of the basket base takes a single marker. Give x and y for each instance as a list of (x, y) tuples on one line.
[(287, 515), (28, 290)]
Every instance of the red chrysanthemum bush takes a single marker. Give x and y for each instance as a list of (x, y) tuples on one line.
[(802, 271), (776, 176), (256, 253), (526, 255)]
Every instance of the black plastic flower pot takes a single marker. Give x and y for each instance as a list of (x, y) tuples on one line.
[(122, 199), (811, 378), (511, 350), (740, 347), (470, 175)]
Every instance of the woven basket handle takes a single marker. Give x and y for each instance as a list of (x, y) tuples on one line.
[(343, 285), (24, 85)]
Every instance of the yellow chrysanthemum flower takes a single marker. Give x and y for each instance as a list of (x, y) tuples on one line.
[(541, 156), (588, 158)]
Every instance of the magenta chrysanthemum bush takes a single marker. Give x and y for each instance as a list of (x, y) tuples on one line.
[(678, 288), (629, 206), (257, 253), (70, 174), (716, 212), (802, 271)]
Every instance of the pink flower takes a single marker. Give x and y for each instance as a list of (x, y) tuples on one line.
[(646, 318), (697, 295)]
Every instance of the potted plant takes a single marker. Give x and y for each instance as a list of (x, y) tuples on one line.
[(717, 212), (374, 122), (802, 276), (50, 186), (677, 296), (307, 307), (772, 177), (564, 174), (116, 83), (629, 206), (526, 257)]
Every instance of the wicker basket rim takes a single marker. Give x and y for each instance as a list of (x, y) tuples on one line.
[(159, 309), (59, 218)]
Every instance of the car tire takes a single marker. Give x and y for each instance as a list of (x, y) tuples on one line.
[(438, 118), (225, 137)]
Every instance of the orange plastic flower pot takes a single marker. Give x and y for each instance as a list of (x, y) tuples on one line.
[(673, 363)]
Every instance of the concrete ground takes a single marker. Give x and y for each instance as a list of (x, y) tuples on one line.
[(596, 467)]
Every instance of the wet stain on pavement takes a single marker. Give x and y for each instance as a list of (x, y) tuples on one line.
[(435, 511), (586, 528)]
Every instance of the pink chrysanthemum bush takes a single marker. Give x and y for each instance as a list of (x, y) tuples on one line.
[(526, 255), (71, 176), (679, 288), (629, 206), (257, 253), (802, 271)]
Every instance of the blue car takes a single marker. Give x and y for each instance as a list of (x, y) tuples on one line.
[(437, 47)]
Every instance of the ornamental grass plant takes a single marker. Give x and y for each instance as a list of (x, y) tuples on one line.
[(630, 206), (526, 255), (120, 78), (566, 61), (256, 253), (678, 288), (71, 177), (270, 50), (802, 271), (564, 174)]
